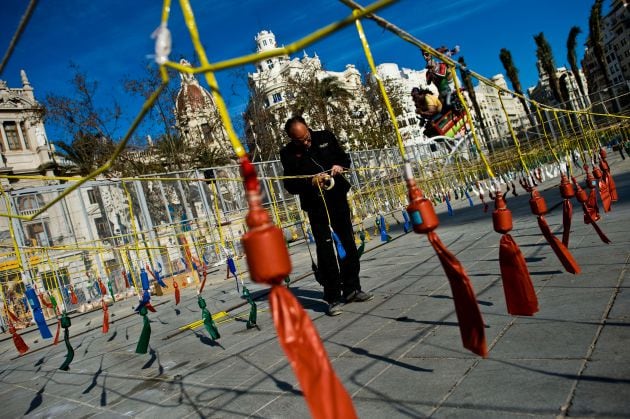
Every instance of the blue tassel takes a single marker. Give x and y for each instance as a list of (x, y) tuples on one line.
[(25, 304), (232, 268), (144, 279), (341, 252), (470, 201), (311, 239), (448, 206), (146, 299), (407, 225), (31, 296), (158, 276), (381, 225)]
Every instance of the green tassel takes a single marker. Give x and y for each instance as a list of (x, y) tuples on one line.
[(287, 281), (111, 290), (361, 248), (53, 301), (211, 327), (143, 342), (253, 311), (65, 323)]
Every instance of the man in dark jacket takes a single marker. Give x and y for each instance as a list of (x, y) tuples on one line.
[(318, 157)]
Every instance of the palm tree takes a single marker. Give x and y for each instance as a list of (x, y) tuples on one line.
[(572, 58), (320, 99), (512, 72), (545, 56), (87, 151), (596, 38), (467, 80)]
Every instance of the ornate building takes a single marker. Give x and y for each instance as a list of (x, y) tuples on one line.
[(403, 80), (492, 112), (542, 91), (23, 142), (196, 115), (272, 78), (616, 40)]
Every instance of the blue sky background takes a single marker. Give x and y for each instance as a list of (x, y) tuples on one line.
[(110, 40)]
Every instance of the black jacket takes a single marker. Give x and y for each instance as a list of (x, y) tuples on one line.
[(323, 153)]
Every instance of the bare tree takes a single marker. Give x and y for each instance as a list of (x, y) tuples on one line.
[(79, 113)]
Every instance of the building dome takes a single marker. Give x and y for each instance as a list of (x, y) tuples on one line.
[(191, 97)]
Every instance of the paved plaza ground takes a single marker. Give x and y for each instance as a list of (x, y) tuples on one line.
[(399, 355)]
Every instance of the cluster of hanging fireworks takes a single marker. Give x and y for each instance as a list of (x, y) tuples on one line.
[(268, 258)]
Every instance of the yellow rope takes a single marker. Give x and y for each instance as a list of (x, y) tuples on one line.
[(473, 131)]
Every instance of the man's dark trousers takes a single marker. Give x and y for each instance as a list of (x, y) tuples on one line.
[(335, 282)]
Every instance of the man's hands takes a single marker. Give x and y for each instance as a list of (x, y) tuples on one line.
[(321, 179), (335, 170)]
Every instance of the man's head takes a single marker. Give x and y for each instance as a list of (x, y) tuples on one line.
[(298, 131)]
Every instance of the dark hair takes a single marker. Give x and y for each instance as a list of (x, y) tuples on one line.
[(292, 121)]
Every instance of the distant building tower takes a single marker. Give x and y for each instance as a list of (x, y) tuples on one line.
[(24, 146), (196, 114), (271, 88), (542, 91), (613, 97)]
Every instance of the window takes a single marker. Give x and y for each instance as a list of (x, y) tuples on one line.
[(264, 42), (206, 132), (103, 227), (10, 129), (277, 97), (92, 196), (269, 64), (39, 233), (52, 279), (25, 135)]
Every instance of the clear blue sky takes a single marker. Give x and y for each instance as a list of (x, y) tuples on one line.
[(110, 40)]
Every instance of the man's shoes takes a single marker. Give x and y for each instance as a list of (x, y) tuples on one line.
[(359, 296), (334, 309)]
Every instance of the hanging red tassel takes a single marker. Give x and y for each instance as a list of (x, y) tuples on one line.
[(44, 301), (424, 221), (567, 214), (268, 262), (203, 282), (582, 198), (485, 205), (471, 324), (56, 341), (325, 395), (12, 315), (603, 164), (73, 296), (102, 287), (105, 316), (520, 297), (177, 295), (539, 208), (563, 254), (19, 343), (567, 192), (604, 194), (591, 202)]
